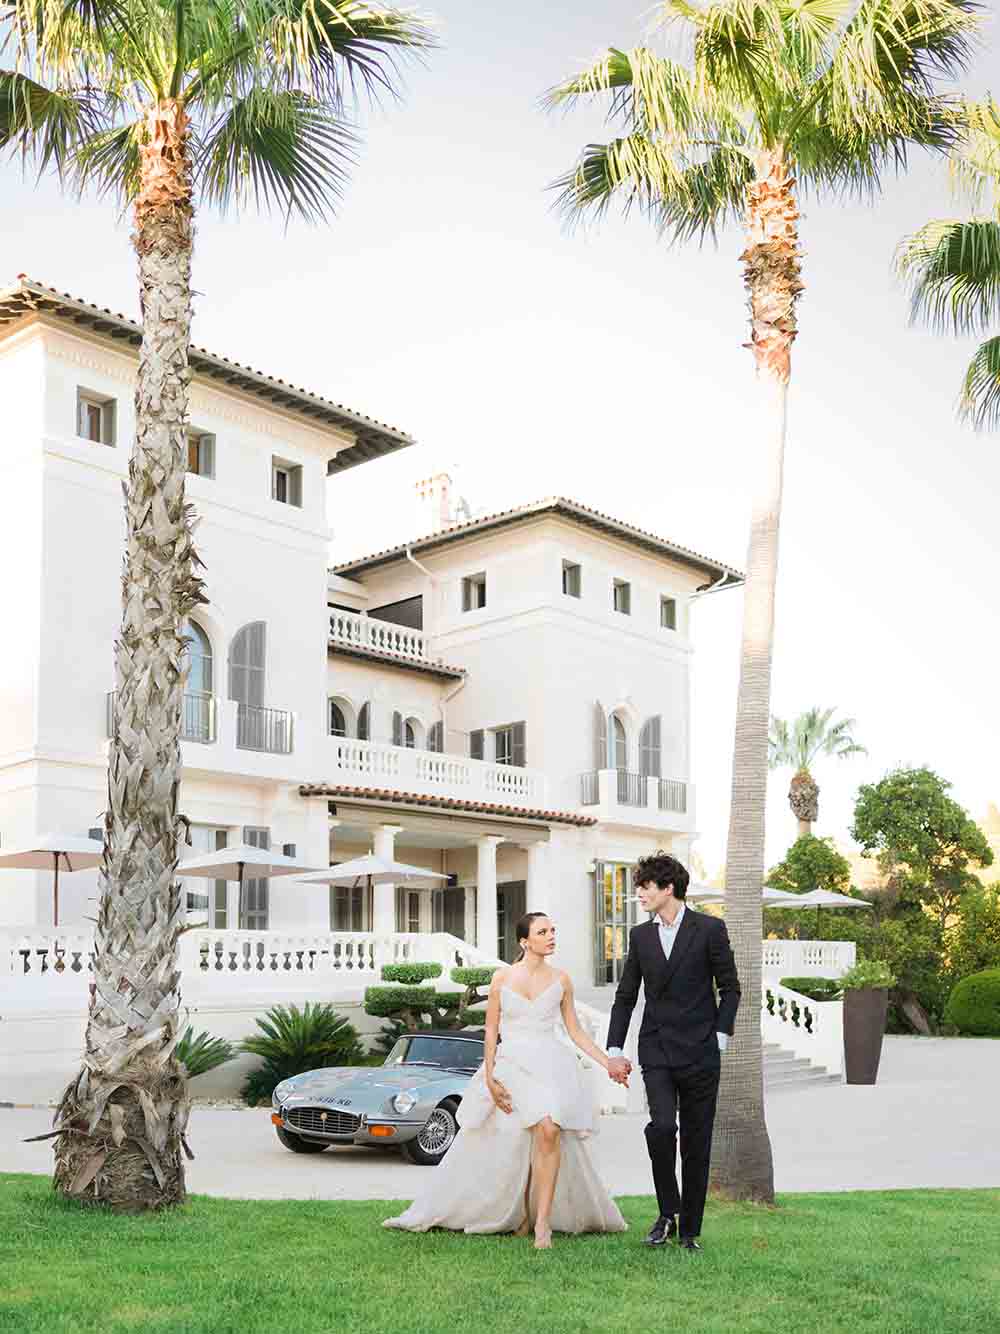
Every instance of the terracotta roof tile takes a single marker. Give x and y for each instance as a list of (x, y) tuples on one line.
[(444, 803)]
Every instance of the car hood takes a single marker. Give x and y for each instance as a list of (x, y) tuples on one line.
[(381, 1081)]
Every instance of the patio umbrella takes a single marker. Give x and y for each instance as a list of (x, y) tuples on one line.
[(231, 863), (824, 898), (377, 869), (55, 851), (773, 898)]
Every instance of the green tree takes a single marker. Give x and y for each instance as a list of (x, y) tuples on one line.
[(776, 98), (799, 745), (214, 102), (953, 267), (972, 941), (925, 841), (811, 863)]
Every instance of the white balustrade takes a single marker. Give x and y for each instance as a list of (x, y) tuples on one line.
[(807, 1028), (807, 958), (357, 630), (426, 772)]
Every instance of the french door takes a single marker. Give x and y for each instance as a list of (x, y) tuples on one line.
[(614, 917), (257, 891)]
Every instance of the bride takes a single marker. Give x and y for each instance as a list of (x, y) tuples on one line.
[(521, 1161)]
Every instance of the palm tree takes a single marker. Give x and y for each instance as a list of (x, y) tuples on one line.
[(812, 734), (772, 98), (37, 120), (221, 102), (953, 267)]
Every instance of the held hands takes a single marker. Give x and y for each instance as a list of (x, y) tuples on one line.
[(619, 1069), (500, 1095)]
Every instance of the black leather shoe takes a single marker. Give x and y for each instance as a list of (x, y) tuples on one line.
[(663, 1230), (691, 1244)]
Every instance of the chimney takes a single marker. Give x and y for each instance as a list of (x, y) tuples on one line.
[(434, 495)]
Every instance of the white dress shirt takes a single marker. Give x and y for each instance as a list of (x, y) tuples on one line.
[(668, 934)]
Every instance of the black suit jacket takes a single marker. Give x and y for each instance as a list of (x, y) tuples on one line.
[(682, 1015)]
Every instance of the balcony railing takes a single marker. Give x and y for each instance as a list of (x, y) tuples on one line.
[(375, 764), (269, 730), (617, 788), (357, 630), (198, 717)]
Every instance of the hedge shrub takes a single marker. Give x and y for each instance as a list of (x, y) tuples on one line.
[(974, 1004), (411, 974), (476, 982), (816, 988), (416, 1007)]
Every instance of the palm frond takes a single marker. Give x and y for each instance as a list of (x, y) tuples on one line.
[(42, 122), (953, 270), (335, 47), (109, 160), (976, 169), (282, 150), (980, 402)]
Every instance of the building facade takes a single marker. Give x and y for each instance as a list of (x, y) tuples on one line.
[(504, 700)]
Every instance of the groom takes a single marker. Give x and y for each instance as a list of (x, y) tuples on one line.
[(683, 957)]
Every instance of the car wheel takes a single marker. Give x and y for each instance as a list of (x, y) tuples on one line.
[(298, 1145), (436, 1137)]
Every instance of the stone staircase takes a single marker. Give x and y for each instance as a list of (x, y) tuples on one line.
[(783, 1070)]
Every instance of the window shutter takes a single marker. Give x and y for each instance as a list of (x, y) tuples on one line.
[(295, 486), (600, 737), (518, 745), (397, 729), (288, 849), (247, 656), (477, 744), (435, 738), (650, 749), (364, 723)]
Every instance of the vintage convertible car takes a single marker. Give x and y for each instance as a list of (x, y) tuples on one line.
[(410, 1100)]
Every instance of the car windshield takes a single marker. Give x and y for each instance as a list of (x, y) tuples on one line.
[(452, 1053)]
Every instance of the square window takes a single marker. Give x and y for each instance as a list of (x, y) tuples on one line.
[(201, 453), (509, 744), (95, 418), (571, 579), (668, 613), (473, 592), (286, 482), (622, 597)]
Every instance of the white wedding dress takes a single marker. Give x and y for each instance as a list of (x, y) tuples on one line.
[(480, 1185)]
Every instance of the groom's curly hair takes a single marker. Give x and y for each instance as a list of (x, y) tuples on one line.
[(663, 870)]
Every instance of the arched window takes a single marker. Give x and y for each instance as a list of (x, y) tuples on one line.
[(338, 723), (619, 742), (650, 749), (409, 735), (364, 723), (246, 664), (199, 651)]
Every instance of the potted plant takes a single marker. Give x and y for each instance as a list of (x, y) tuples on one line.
[(866, 1003)]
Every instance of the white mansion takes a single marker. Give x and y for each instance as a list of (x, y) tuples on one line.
[(504, 700)]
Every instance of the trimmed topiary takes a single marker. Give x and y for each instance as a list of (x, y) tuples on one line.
[(415, 1007), (816, 988), (476, 982), (410, 974), (974, 1004)]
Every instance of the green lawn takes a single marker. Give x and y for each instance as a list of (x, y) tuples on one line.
[(913, 1262)]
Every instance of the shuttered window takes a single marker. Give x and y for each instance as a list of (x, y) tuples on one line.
[(256, 891), (650, 748), (619, 741), (246, 664), (509, 744), (364, 723), (435, 738), (600, 737), (397, 729), (477, 744)]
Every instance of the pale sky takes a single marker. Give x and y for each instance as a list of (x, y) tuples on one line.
[(448, 299)]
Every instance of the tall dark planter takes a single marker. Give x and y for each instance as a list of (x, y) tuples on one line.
[(865, 1010)]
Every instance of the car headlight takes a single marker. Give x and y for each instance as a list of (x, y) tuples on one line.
[(282, 1091), (404, 1102)]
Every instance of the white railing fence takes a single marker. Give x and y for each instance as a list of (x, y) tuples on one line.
[(427, 772), (807, 1028), (807, 958), (357, 630)]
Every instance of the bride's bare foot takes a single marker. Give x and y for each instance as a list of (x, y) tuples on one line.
[(543, 1237), (525, 1229)]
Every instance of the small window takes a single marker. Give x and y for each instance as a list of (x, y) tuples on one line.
[(364, 723), (409, 735), (338, 723), (435, 737), (509, 744), (473, 592), (286, 482), (201, 453), (622, 597), (477, 744), (571, 579), (95, 418), (668, 613)]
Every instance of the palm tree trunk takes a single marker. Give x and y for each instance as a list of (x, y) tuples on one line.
[(742, 1166), (122, 1120)]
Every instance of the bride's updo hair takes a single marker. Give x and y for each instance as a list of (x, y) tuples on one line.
[(522, 930)]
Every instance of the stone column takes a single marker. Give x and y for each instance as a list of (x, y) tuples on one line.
[(384, 897), (486, 895), (538, 893)]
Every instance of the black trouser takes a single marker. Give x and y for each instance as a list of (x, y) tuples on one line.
[(690, 1091)]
